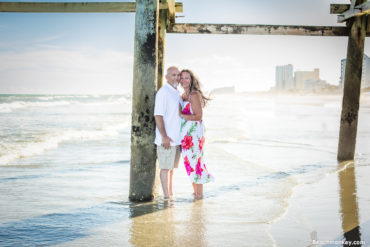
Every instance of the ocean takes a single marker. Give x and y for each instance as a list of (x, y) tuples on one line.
[(65, 161)]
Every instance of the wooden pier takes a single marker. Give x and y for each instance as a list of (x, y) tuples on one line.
[(155, 18)]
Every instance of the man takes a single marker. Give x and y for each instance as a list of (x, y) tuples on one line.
[(168, 121)]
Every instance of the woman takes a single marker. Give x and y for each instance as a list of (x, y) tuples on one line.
[(192, 128)]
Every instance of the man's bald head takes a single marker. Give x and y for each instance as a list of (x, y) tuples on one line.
[(173, 76), (171, 69)]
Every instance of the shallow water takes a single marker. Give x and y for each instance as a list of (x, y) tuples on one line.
[(64, 175)]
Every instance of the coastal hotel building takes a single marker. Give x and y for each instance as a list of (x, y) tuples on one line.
[(287, 80)]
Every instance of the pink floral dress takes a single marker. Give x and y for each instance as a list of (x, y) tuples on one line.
[(192, 143)]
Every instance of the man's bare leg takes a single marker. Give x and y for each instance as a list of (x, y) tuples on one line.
[(164, 182), (170, 183)]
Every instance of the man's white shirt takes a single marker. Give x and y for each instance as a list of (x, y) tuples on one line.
[(167, 102)]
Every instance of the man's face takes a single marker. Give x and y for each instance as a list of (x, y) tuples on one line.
[(173, 76)]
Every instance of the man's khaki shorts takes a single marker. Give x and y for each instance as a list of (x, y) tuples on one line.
[(168, 158)]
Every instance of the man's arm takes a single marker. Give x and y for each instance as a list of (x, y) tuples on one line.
[(160, 125)]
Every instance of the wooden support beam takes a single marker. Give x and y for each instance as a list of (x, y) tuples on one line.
[(357, 10), (339, 8), (163, 17), (179, 7), (171, 11), (143, 154), (75, 7), (352, 87), (196, 28), (67, 7)]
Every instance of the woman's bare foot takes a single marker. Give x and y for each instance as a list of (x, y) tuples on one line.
[(166, 196), (198, 197)]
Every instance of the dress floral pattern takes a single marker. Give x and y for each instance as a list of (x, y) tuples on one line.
[(192, 143)]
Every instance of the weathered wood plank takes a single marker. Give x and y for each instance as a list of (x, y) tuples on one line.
[(67, 7), (352, 88), (197, 28), (163, 14), (75, 7), (358, 10), (143, 154), (171, 11), (179, 7), (339, 8)]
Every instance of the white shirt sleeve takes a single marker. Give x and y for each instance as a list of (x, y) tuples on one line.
[(160, 104)]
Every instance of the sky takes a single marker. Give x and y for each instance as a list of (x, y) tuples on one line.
[(93, 53)]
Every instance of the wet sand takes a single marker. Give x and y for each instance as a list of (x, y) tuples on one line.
[(316, 212)]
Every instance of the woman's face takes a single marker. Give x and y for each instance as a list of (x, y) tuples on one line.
[(185, 80)]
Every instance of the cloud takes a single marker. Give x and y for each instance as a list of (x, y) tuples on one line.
[(47, 39), (216, 59), (83, 70), (45, 46), (249, 61), (25, 44), (224, 70)]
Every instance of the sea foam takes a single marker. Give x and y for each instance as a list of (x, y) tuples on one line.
[(22, 102), (52, 140)]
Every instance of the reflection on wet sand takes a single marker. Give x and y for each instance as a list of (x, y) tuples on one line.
[(348, 201), (152, 224), (193, 227), (156, 224)]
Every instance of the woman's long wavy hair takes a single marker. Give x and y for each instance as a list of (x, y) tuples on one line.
[(195, 86)]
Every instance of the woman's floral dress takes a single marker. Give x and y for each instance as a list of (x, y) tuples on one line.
[(192, 143)]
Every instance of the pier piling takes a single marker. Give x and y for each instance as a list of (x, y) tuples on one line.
[(143, 155), (352, 87)]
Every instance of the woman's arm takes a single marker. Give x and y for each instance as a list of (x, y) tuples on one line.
[(196, 105)]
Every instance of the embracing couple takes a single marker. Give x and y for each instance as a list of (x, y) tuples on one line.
[(180, 130)]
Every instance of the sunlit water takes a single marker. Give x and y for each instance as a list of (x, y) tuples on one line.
[(64, 175)]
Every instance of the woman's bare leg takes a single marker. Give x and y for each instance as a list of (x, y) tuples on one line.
[(195, 189), (199, 188)]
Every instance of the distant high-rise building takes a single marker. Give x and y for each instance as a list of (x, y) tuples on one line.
[(315, 85), (301, 77), (365, 77), (303, 81), (284, 77)]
